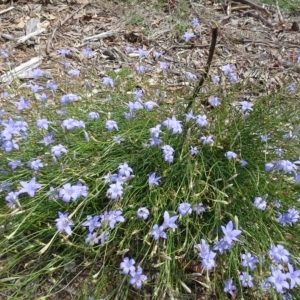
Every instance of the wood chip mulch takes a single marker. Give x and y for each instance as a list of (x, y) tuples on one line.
[(251, 37)]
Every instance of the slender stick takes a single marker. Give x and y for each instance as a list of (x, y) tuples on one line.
[(206, 69)]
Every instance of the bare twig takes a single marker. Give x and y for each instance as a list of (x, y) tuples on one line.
[(258, 16), (120, 53), (27, 37), (99, 36), (206, 69), (254, 5), (241, 7), (280, 18), (259, 42), (73, 13), (50, 40), (21, 71), (191, 46), (234, 8)]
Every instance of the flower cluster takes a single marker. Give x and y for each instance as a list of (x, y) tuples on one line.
[(186, 208), (22, 104), (69, 98), (63, 223), (153, 180), (70, 192), (260, 202), (290, 217), (173, 124), (71, 124), (249, 260), (143, 213), (138, 104), (159, 231), (12, 199), (188, 35), (33, 164), (208, 257), (229, 239), (57, 150), (154, 133), (282, 281), (201, 120), (168, 153), (104, 222), (93, 115), (207, 139), (282, 165), (227, 69), (282, 278), (117, 181), (136, 273), (12, 132)]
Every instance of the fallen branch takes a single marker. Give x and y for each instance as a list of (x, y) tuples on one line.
[(21, 71), (234, 8), (6, 10), (24, 38), (206, 69)]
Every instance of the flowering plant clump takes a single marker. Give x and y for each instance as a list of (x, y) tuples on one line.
[(145, 196)]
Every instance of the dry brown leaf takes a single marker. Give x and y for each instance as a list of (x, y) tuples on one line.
[(20, 23), (204, 43), (169, 101), (49, 16), (195, 267), (45, 24)]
